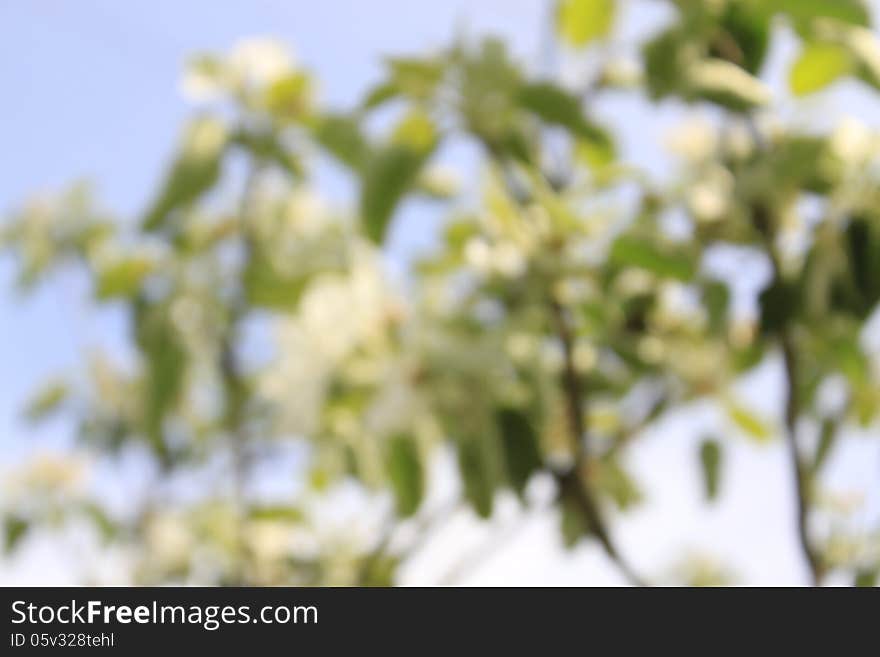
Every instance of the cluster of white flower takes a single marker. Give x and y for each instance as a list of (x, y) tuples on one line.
[(854, 143), (709, 198), (253, 66), (338, 314), (504, 258), (51, 473), (695, 140)]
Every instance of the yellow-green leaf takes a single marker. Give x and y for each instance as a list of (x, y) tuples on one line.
[(819, 65), (582, 21), (391, 173), (406, 474), (342, 137), (196, 169), (14, 530), (477, 473), (636, 252), (123, 277), (268, 287), (749, 422), (710, 464), (165, 363), (595, 154), (417, 131), (572, 523), (277, 512), (289, 96), (519, 442), (46, 401)]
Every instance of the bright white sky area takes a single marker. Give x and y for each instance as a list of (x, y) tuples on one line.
[(90, 91)]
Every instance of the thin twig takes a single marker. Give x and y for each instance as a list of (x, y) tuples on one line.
[(570, 482), (800, 472)]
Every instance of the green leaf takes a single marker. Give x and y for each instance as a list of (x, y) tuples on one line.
[(164, 369), (827, 438), (266, 147), (341, 136), (636, 252), (200, 236), (123, 278), (847, 356), (14, 530), (391, 173), (280, 512), (520, 447), (415, 78), (477, 476), (320, 478), (748, 422), (710, 463), (488, 82), (394, 170), (406, 474), (716, 299), (798, 162), (863, 249), (663, 66), (289, 97), (804, 12), (866, 577), (779, 303), (556, 106), (747, 357), (856, 289), (615, 482), (819, 65), (380, 570), (410, 78), (267, 287), (580, 22), (195, 170), (865, 405), (102, 521), (749, 29), (572, 523), (416, 131), (514, 144), (47, 401), (675, 64), (379, 95), (596, 153)]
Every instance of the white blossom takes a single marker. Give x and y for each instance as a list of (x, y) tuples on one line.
[(696, 140), (259, 61), (852, 141)]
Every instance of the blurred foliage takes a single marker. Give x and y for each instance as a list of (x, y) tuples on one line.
[(539, 339)]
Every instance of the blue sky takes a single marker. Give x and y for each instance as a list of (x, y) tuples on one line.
[(90, 92)]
